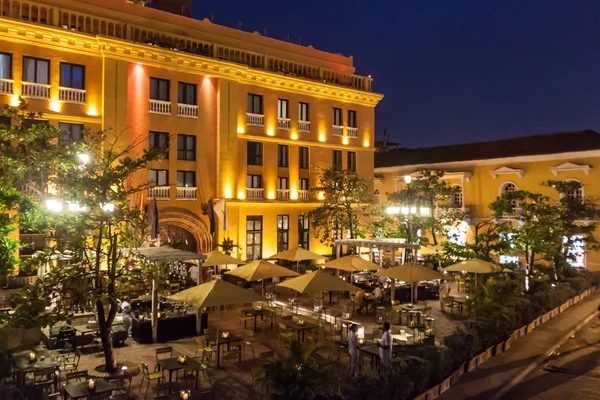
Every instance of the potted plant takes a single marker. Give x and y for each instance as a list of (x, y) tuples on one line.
[(228, 246)]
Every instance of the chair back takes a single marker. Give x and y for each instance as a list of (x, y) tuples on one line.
[(77, 375), (282, 328), (145, 369), (164, 350)]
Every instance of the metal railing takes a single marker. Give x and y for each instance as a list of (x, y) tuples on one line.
[(159, 192), (71, 95), (160, 107), (255, 119), (187, 110), (255, 193), (36, 90), (186, 193)]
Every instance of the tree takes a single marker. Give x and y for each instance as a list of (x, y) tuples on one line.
[(345, 206)]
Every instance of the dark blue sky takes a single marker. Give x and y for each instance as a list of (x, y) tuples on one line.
[(451, 70)]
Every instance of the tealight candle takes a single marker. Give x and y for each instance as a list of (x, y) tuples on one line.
[(361, 341), (158, 315), (184, 394), (31, 357), (91, 384)]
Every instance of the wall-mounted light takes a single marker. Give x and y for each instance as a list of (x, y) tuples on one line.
[(270, 132), (55, 105), (241, 194), (92, 111), (240, 129), (366, 143), (294, 136), (14, 101), (321, 137), (345, 140)]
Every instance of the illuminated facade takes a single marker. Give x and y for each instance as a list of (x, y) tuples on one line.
[(483, 171), (240, 116)]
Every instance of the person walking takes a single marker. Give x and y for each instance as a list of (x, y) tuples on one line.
[(385, 344), (444, 291), (353, 349)]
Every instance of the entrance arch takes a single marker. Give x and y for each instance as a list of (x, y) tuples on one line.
[(183, 225)]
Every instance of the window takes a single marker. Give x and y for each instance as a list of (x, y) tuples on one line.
[(282, 155), (283, 108), (303, 232), (336, 230), (303, 112), (253, 237), (255, 104), (352, 161), (36, 70), (303, 184), (186, 93), (577, 193), (186, 147), (337, 159), (5, 66), (159, 89), (457, 196), (29, 123), (72, 76), (72, 133), (254, 181), (158, 177), (351, 118), (337, 117), (254, 153), (186, 179), (509, 187), (303, 158), (282, 183), (160, 140), (283, 232)]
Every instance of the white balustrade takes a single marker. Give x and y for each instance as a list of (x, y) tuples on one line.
[(36, 90), (187, 110), (71, 95), (255, 119), (159, 192), (338, 130), (6, 86), (186, 193), (283, 123), (304, 126), (283, 194), (160, 107), (255, 193), (352, 132), (303, 195)]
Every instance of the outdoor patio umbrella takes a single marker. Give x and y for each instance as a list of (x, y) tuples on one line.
[(261, 270), (318, 282), (474, 266), (215, 258), (215, 294), (297, 254), (352, 263), (411, 273)]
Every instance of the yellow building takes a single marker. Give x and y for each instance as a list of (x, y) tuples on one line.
[(483, 171), (239, 115)]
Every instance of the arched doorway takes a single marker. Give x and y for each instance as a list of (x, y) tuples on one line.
[(185, 230)]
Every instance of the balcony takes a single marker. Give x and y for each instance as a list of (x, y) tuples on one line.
[(283, 194), (255, 193), (186, 193), (352, 132), (6, 86), (283, 123), (187, 110), (338, 130), (304, 126), (160, 107), (304, 195), (255, 119), (36, 90), (71, 95), (159, 192)]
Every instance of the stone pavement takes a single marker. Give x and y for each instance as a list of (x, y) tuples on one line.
[(485, 381)]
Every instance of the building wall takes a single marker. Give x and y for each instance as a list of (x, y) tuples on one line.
[(480, 187)]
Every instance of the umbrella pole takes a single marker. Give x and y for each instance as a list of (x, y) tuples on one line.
[(298, 266), (218, 308)]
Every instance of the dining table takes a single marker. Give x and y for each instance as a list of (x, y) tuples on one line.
[(256, 312), (79, 390), (43, 359), (172, 364), (299, 327), (226, 341), (460, 301)]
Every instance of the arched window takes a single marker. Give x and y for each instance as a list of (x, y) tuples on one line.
[(575, 194), (508, 187), (457, 196)]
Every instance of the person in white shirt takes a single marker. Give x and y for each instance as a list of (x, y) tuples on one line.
[(353, 349), (378, 293), (193, 273), (444, 291), (385, 344)]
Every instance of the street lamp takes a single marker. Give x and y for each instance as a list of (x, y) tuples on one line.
[(83, 158)]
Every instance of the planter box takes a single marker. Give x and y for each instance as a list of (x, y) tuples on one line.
[(522, 331), (499, 348), (538, 321), (508, 343), (576, 299), (421, 397), (472, 364), (457, 374), (433, 393), (570, 303), (545, 317), (531, 327), (554, 312), (445, 385), (515, 335)]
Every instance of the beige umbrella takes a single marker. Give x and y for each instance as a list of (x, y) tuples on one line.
[(215, 258), (318, 282), (261, 270), (352, 263), (474, 266), (215, 294), (297, 254), (411, 273)]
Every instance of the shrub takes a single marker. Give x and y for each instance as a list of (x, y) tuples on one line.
[(463, 346)]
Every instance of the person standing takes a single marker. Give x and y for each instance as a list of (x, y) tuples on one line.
[(385, 344), (353, 349), (444, 291)]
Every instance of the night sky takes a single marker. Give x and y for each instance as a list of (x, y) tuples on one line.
[(451, 71)]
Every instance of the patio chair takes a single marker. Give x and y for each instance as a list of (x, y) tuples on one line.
[(244, 318), (84, 340), (65, 335), (284, 333), (174, 287), (121, 385), (267, 320), (46, 378), (76, 376), (204, 360), (162, 352), (449, 304), (154, 376), (233, 354), (70, 362), (190, 377), (316, 334), (247, 335)]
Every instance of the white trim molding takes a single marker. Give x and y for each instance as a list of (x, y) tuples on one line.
[(568, 166), (457, 175), (506, 171)]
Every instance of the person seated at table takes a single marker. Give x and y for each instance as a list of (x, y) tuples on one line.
[(385, 344), (378, 293)]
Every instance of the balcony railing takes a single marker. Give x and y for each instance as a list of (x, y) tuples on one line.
[(186, 193), (187, 110), (255, 119), (160, 107), (304, 126), (283, 194), (36, 90), (283, 123), (303, 195), (71, 95), (159, 192), (255, 193), (352, 132), (6, 86), (338, 130)]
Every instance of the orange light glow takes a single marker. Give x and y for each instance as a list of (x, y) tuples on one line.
[(270, 132), (240, 129), (294, 194), (227, 192), (321, 196), (294, 136), (366, 143), (345, 140), (14, 101), (241, 194), (92, 111), (321, 137), (55, 105), (271, 195)]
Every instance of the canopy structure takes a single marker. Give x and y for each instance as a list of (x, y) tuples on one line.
[(261, 270), (352, 263), (411, 273), (474, 266), (317, 282), (297, 254)]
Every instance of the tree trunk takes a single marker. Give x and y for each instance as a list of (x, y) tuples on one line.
[(106, 338)]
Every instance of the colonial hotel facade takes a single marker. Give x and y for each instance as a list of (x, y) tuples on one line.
[(239, 115)]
